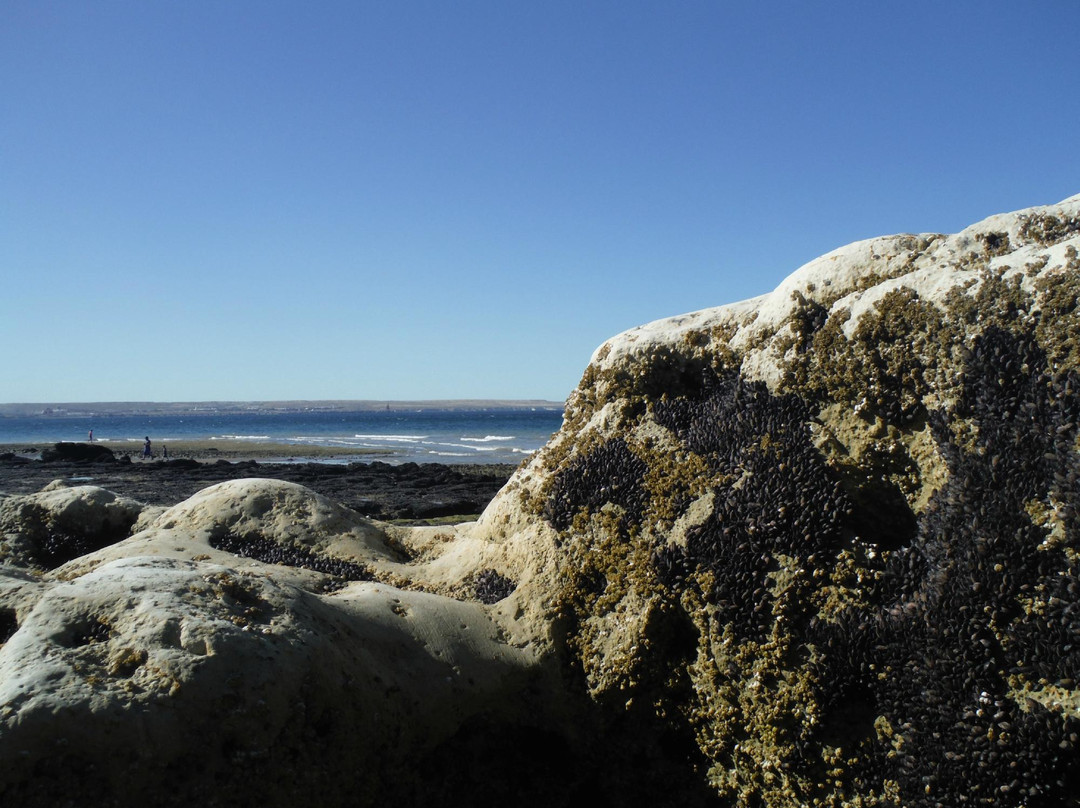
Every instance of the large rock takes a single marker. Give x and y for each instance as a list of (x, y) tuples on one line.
[(817, 548), (59, 524), (828, 537), (254, 645), (77, 453)]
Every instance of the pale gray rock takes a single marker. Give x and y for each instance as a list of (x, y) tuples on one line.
[(162, 659), (61, 523), (148, 669)]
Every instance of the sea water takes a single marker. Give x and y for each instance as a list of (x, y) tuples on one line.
[(497, 435)]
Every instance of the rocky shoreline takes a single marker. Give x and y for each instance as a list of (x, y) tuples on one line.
[(408, 492), (820, 548)]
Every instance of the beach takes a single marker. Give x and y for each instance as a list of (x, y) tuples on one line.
[(238, 450), (481, 435), (354, 477)]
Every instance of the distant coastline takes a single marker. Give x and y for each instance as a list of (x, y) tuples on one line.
[(104, 408)]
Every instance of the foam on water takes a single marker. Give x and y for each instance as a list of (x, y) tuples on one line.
[(404, 438), (470, 448), (496, 435)]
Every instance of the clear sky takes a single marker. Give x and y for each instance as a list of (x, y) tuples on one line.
[(216, 199)]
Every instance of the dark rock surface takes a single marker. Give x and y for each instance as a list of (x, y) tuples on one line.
[(77, 453), (410, 491)]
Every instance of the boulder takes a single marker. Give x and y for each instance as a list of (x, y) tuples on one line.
[(256, 644), (181, 683), (828, 538), (61, 523), (816, 548), (184, 463), (77, 453)]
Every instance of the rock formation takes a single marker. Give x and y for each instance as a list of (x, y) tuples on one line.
[(815, 548), (78, 453)]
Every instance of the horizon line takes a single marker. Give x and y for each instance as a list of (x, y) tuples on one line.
[(40, 407), (268, 401)]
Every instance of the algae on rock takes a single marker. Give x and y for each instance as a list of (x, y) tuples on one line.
[(837, 502)]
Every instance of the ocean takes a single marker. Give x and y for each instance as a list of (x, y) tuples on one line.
[(501, 435)]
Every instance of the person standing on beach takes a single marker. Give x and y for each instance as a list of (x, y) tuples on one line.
[(90, 437), (146, 448)]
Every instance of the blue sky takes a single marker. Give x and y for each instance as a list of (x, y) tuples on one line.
[(214, 199)]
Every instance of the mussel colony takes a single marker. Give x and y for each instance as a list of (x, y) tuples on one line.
[(49, 543), (252, 545), (490, 587), (910, 666)]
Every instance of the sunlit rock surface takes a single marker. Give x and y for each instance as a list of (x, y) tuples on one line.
[(828, 537), (163, 669), (816, 548)]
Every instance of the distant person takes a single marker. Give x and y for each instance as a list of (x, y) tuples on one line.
[(146, 448), (164, 451), (90, 437)]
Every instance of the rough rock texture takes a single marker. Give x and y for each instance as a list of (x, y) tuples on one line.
[(77, 453), (828, 537), (255, 645), (378, 490), (58, 524), (817, 548)]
